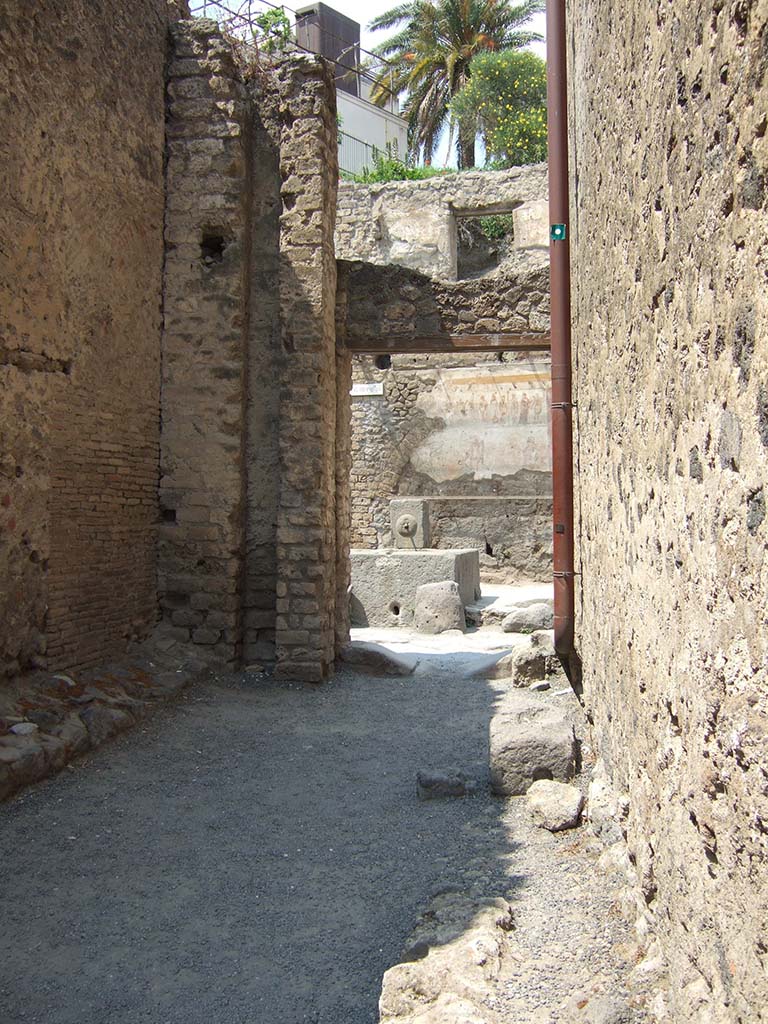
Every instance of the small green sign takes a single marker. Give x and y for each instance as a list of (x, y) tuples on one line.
[(557, 232)]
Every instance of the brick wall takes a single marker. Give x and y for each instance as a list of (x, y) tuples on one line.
[(248, 490), (266, 363), (80, 292)]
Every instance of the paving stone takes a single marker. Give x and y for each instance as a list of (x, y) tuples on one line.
[(530, 739), (377, 660)]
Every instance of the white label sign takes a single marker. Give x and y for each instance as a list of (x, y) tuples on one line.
[(367, 389)]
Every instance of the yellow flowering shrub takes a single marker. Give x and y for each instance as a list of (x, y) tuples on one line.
[(505, 98)]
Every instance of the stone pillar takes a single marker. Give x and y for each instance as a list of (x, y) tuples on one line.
[(266, 364), (306, 539), (343, 464), (343, 492), (204, 342)]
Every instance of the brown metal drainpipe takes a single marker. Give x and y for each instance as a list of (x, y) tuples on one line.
[(560, 308)]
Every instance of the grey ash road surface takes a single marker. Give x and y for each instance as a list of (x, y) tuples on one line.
[(255, 854)]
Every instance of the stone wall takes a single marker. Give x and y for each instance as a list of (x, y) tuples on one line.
[(205, 341), (413, 223), (306, 533), (248, 490), (670, 163), (405, 304), (80, 293)]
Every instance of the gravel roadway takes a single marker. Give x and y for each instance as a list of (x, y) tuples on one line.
[(254, 854)]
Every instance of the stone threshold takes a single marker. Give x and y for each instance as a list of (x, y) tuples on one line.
[(47, 719)]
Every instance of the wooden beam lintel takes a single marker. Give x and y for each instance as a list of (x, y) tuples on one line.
[(509, 342)]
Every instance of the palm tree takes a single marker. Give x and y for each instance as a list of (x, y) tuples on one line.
[(428, 59)]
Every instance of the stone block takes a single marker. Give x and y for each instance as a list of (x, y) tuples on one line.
[(530, 739), (555, 805), (438, 608), (529, 618), (385, 581)]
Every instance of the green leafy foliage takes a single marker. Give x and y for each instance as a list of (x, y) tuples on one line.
[(428, 58), (497, 226), (505, 98), (387, 166), (274, 30)]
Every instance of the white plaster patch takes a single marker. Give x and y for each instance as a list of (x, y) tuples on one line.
[(496, 422), (483, 451)]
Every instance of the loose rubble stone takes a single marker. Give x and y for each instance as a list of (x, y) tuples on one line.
[(24, 729), (555, 805), (103, 722), (24, 758), (377, 660), (439, 608), (43, 719), (605, 808), (55, 750), (74, 734), (455, 951), (434, 785), (529, 618), (531, 739), (528, 663)]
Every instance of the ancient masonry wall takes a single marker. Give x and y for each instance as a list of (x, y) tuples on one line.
[(266, 362), (248, 487), (205, 340), (413, 223), (472, 436), (668, 131), (306, 534), (80, 294), (397, 244), (484, 433)]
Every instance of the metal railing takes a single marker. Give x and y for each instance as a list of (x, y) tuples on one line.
[(354, 154)]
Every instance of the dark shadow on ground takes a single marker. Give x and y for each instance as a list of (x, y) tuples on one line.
[(255, 855)]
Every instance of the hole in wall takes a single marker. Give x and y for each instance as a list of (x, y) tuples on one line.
[(168, 515), (395, 608), (488, 549), (383, 362), (541, 773), (212, 247), (481, 243)]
